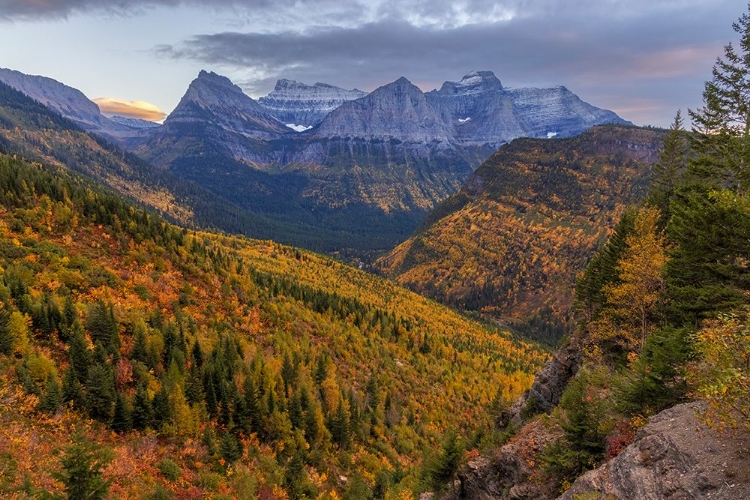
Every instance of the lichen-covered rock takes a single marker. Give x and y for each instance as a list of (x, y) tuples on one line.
[(675, 456)]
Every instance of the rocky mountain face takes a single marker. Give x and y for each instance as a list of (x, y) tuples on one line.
[(398, 110), (214, 98), (364, 176), (70, 103), (134, 122), (478, 109), (301, 106), (510, 243)]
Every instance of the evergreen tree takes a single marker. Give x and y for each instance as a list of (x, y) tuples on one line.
[(100, 393), (442, 469), (103, 327), (6, 339), (666, 172), (721, 127), (140, 349), (230, 447), (711, 211), (80, 358), (71, 389), (252, 412), (372, 398), (82, 465), (194, 385), (142, 410), (53, 397), (197, 354), (161, 407), (602, 269), (122, 421), (70, 315)]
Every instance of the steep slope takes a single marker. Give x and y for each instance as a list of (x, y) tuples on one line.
[(301, 106), (388, 150), (261, 368), (368, 172), (213, 97), (70, 103), (32, 131), (510, 243), (479, 110), (398, 110)]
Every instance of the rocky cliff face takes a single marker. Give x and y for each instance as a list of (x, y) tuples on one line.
[(549, 384), (398, 111), (70, 103), (304, 106), (478, 109), (214, 99), (675, 456)]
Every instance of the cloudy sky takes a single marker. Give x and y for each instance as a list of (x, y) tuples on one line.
[(643, 59)]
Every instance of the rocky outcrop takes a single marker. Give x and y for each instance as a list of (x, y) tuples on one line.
[(507, 474), (675, 456), (296, 104), (215, 100), (549, 384)]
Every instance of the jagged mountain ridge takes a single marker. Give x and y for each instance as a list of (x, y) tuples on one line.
[(480, 110), (371, 187), (70, 103), (398, 110), (295, 103), (215, 97)]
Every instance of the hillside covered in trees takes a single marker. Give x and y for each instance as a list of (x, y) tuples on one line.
[(171, 362), (510, 244)]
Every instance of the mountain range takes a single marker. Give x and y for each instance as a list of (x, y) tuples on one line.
[(366, 169)]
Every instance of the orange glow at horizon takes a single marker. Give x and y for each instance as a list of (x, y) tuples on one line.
[(130, 109)]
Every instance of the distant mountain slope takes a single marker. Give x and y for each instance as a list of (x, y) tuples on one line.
[(398, 110), (480, 110), (70, 103), (304, 106), (213, 363), (510, 242), (33, 131)]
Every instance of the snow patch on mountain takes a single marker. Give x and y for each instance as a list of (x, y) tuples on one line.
[(298, 128)]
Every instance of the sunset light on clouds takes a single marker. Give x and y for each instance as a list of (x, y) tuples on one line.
[(111, 106)]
